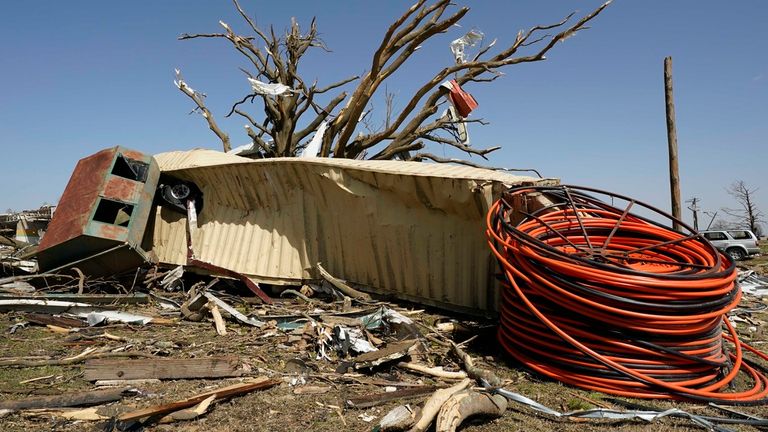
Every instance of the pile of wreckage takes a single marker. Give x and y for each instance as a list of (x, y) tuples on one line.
[(323, 260), (20, 232)]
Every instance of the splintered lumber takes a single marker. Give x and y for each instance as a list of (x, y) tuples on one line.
[(210, 367), (222, 393), (93, 397), (375, 399)]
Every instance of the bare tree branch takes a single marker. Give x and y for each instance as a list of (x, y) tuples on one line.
[(748, 214), (350, 131), (204, 111), (418, 157)]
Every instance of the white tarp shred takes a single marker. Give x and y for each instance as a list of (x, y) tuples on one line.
[(313, 148), (470, 39), (271, 89)]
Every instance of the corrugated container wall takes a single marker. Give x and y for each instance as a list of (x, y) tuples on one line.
[(412, 230)]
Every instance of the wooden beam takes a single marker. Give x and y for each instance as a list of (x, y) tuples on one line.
[(211, 367), (674, 174), (376, 399), (93, 397), (222, 393)]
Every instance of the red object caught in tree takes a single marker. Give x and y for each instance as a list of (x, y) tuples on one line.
[(463, 101)]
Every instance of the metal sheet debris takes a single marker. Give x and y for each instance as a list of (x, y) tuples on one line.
[(410, 229)]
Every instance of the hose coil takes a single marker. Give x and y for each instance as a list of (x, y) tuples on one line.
[(602, 298)]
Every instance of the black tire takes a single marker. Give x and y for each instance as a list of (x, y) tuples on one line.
[(735, 253)]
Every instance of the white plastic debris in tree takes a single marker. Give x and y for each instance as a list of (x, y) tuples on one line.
[(313, 148), (271, 89), (470, 39)]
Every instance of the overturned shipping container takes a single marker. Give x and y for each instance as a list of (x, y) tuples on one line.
[(412, 230)]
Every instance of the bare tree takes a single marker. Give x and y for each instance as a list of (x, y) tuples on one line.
[(291, 112), (747, 214)]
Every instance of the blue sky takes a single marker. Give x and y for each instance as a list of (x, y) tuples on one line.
[(81, 76)]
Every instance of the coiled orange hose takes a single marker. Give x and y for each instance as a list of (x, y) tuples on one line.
[(601, 298)]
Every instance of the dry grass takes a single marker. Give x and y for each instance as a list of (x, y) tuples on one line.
[(279, 409)]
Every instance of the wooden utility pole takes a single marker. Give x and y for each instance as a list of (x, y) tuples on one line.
[(674, 175), (694, 207)]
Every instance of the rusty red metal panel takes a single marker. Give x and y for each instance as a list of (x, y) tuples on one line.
[(90, 220), (110, 232), (121, 189), (132, 154), (80, 195)]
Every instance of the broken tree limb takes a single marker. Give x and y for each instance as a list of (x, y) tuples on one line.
[(400, 418), (341, 286), (432, 407), (197, 98), (432, 371), (93, 397), (465, 404), (222, 393), (212, 367), (473, 371)]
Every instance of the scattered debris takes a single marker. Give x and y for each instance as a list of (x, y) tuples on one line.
[(202, 318), (752, 283)]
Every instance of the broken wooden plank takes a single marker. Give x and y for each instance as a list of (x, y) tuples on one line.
[(100, 299), (375, 399), (222, 393), (393, 351), (114, 383), (211, 367), (45, 319), (93, 397)]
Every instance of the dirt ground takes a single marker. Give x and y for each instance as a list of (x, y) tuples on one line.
[(321, 406)]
